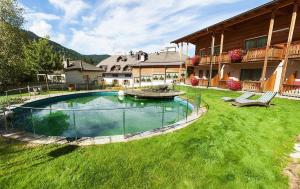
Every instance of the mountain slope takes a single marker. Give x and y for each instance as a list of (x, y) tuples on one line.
[(69, 53)]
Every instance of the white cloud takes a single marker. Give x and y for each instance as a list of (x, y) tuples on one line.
[(59, 38), (41, 28), (71, 8), (119, 25)]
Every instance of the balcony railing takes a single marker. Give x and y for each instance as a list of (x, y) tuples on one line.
[(254, 86), (274, 53), (206, 60), (291, 90), (203, 82), (294, 51), (223, 84)]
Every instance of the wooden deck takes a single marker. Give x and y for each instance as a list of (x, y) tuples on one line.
[(156, 95)]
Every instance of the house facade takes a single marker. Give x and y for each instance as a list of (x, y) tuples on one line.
[(80, 72), (118, 69), (158, 68), (259, 48), (142, 69)]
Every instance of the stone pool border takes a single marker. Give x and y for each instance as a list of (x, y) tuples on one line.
[(84, 141)]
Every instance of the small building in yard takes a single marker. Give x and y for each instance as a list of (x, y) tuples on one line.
[(80, 72)]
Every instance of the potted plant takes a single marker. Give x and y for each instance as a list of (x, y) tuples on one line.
[(161, 78), (194, 81), (236, 55), (234, 85), (195, 60)]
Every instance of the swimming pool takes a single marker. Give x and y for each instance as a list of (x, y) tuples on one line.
[(95, 114)]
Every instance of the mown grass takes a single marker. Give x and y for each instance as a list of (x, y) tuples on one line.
[(229, 147)]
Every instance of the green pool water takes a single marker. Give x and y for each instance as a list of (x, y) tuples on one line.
[(98, 114)]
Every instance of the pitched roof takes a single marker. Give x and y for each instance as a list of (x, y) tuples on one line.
[(82, 66), (165, 58), (258, 11)]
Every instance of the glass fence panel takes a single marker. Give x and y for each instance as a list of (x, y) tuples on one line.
[(149, 118), (104, 122)]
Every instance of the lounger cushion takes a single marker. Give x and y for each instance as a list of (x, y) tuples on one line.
[(227, 99)]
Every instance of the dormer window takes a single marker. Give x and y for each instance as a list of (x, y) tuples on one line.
[(115, 68), (122, 58), (127, 68)]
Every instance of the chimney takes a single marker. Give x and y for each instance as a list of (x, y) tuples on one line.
[(66, 63)]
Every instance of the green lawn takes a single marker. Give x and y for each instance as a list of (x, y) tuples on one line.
[(229, 147)]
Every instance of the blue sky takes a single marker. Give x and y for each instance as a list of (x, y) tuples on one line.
[(118, 26)]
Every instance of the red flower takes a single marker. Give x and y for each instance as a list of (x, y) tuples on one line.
[(234, 85), (195, 60), (236, 55), (194, 81)]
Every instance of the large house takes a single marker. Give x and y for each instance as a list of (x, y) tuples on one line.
[(259, 48), (118, 69), (80, 72), (141, 68)]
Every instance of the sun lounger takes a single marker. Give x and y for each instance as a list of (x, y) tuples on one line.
[(264, 100), (243, 96)]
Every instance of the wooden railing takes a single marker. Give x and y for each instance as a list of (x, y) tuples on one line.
[(225, 58), (203, 82), (206, 60), (294, 51), (223, 84), (291, 90), (188, 62), (251, 86), (274, 53)]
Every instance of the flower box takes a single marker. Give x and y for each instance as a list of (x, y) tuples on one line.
[(236, 55), (195, 60), (234, 85)]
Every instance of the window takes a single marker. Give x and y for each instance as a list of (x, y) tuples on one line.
[(213, 74), (202, 52), (136, 80), (146, 79), (172, 75), (127, 75), (216, 50), (250, 74), (115, 75), (158, 77), (201, 74), (258, 42)]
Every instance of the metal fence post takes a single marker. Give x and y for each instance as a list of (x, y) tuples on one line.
[(187, 109), (163, 116), (32, 122), (74, 121), (124, 131)]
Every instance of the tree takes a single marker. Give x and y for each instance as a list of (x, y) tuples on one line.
[(39, 57), (11, 41)]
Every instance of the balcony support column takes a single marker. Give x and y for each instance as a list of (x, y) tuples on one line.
[(290, 38), (263, 75), (220, 56), (211, 58), (180, 57), (186, 62)]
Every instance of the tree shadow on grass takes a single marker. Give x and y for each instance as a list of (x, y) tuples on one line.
[(62, 151)]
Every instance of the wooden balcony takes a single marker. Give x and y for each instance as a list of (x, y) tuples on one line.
[(206, 60), (254, 86), (203, 82), (291, 90), (294, 51), (223, 84), (225, 58), (255, 55)]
